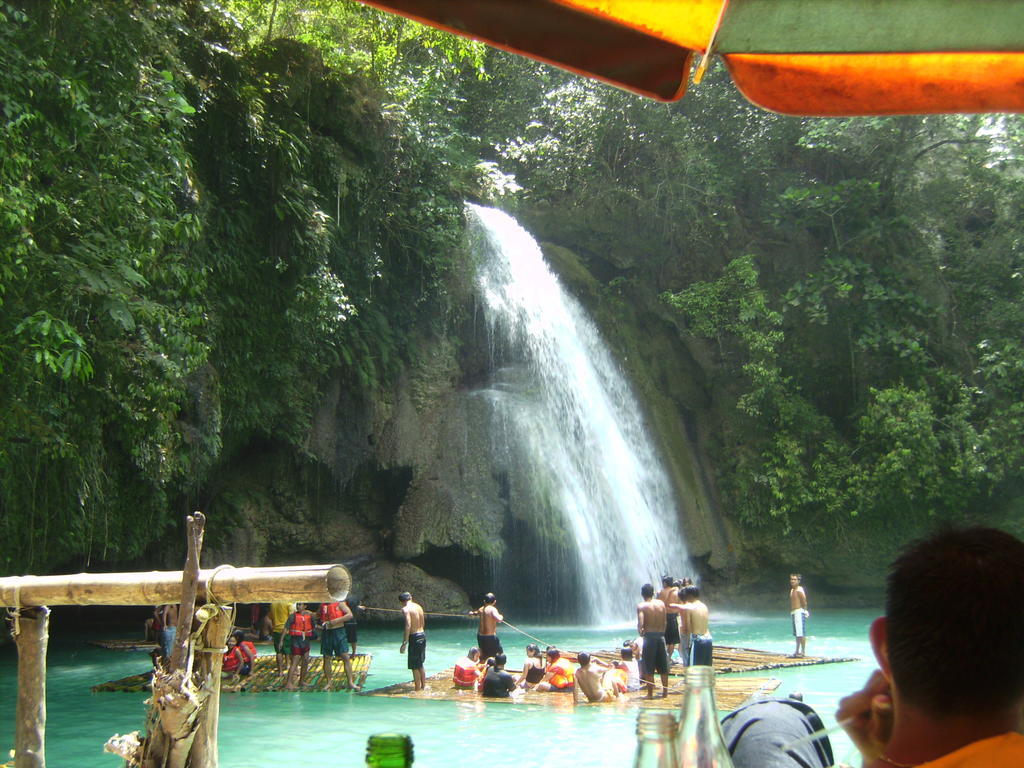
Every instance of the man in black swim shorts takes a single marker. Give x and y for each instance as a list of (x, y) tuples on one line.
[(651, 620), (415, 638), (487, 632), (669, 595)]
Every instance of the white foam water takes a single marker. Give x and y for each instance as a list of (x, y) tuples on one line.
[(573, 423)]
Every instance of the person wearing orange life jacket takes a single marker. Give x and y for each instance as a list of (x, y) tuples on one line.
[(299, 629), (559, 674), (248, 650), (467, 673), (333, 640)]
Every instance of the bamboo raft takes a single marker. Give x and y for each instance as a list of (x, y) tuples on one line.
[(140, 645), (727, 660), (125, 645), (730, 693), (264, 677)]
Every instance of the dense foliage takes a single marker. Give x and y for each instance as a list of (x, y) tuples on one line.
[(208, 212), (855, 285), (186, 254)]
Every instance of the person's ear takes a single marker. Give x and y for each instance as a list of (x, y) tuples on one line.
[(879, 635)]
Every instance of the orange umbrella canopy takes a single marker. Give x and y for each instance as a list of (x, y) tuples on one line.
[(799, 57)]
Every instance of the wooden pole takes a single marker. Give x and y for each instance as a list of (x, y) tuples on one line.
[(215, 637), (195, 528), (309, 583), (32, 633), (177, 700)]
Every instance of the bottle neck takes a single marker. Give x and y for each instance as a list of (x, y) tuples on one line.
[(655, 747), (700, 677), (389, 750), (700, 743), (655, 725)]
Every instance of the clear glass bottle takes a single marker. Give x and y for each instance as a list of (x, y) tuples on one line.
[(700, 743), (655, 740), (389, 750)]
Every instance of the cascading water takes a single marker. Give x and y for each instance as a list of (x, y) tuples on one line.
[(570, 428)]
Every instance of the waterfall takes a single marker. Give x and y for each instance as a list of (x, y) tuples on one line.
[(571, 430)]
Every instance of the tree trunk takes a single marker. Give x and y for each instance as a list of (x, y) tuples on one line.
[(177, 702), (215, 637), (30, 713)]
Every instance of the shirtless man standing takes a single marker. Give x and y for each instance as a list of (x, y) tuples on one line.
[(415, 638), (799, 613), (487, 633), (669, 595), (695, 617), (650, 625)]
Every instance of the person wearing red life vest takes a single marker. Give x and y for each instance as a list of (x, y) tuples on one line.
[(301, 631), (248, 649), (233, 658), (333, 640), (467, 672)]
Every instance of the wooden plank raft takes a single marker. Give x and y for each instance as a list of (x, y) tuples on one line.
[(730, 693), (728, 660), (125, 645), (264, 677), (141, 645)]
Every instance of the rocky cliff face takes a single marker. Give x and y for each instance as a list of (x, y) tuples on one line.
[(413, 490)]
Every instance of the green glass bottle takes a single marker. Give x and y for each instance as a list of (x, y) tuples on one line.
[(389, 750), (700, 743), (655, 740)]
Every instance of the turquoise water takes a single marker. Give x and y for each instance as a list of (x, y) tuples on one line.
[(329, 730)]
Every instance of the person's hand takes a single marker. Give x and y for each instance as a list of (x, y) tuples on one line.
[(402, 649), (867, 716)]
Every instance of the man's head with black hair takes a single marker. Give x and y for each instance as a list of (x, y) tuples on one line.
[(956, 595), (647, 591)]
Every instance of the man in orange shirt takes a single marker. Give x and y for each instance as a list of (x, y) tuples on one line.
[(950, 689)]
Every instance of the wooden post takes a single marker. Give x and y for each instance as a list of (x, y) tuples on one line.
[(177, 702), (185, 702), (215, 637), (32, 637), (195, 527)]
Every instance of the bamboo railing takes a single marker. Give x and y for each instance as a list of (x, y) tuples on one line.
[(225, 584), (182, 721)]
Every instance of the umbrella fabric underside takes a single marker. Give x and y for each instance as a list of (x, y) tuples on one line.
[(800, 57)]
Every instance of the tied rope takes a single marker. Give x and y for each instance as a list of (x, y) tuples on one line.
[(14, 614), (205, 613), (517, 629), (460, 616), (425, 613), (209, 585)]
